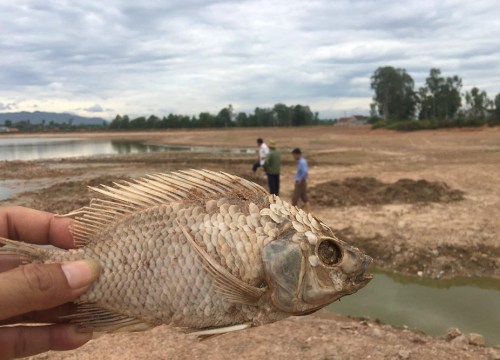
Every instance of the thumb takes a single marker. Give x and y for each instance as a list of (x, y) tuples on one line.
[(43, 286)]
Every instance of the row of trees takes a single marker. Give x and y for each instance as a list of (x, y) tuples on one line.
[(279, 115), (439, 101)]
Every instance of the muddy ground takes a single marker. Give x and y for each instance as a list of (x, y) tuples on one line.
[(422, 204)]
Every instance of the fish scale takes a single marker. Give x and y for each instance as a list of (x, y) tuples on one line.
[(201, 250)]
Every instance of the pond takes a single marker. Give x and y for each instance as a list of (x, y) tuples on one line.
[(49, 148), (40, 148), (472, 305)]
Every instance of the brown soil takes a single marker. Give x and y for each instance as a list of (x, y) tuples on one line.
[(316, 337), (413, 226), (370, 191), (64, 197)]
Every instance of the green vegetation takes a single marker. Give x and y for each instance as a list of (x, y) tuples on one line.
[(279, 115), (394, 95), (438, 104)]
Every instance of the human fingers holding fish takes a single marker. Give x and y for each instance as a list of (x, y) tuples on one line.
[(35, 227), (34, 292), (36, 286)]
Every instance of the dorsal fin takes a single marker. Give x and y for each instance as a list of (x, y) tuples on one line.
[(154, 190)]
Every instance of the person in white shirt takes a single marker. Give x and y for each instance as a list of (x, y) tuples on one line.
[(263, 151)]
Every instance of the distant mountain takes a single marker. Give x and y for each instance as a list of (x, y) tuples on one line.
[(37, 117)]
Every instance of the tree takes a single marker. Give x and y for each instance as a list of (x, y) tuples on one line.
[(440, 97), (206, 120), (138, 123), (242, 119), (478, 103), (283, 114), (8, 123), (153, 122), (302, 115), (394, 94), (223, 118), (120, 122), (263, 117)]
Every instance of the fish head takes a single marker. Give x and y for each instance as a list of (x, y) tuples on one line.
[(309, 270)]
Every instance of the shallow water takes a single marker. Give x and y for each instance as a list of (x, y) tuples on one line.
[(6, 192), (50, 148), (472, 305)]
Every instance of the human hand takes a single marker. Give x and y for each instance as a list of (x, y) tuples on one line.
[(39, 293)]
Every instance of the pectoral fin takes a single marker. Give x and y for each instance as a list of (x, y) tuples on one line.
[(234, 289), (91, 318), (206, 333)]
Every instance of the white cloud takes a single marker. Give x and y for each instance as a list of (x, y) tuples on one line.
[(5, 106), (200, 55), (94, 108)]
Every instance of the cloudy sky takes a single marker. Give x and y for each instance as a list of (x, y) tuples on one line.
[(106, 57)]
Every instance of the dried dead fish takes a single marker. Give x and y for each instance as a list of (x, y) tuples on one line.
[(202, 250)]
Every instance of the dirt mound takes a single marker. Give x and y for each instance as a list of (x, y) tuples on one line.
[(370, 191)]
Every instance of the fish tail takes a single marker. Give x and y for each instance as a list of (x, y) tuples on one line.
[(27, 253)]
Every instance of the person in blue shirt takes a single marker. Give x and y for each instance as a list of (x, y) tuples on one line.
[(300, 189)]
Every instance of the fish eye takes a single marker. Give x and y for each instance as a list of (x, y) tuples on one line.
[(329, 252)]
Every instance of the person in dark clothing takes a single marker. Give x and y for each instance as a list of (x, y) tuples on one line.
[(272, 167)]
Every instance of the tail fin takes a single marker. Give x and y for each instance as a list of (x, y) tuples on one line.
[(27, 253)]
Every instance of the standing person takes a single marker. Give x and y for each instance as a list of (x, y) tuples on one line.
[(300, 189), (272, 166), (263, 151)]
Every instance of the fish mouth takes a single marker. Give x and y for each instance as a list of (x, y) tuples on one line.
[(363, 278)]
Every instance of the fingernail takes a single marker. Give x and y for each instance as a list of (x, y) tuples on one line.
[(74, 338), (80, 273)]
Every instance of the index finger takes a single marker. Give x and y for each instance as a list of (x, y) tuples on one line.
[(34, 226), (50, 316)]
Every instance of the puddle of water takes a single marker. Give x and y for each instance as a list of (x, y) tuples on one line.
[(46, 148), (6, 192), (472, 305)]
